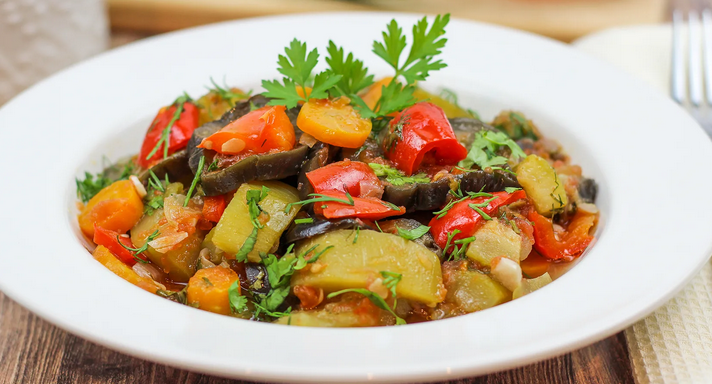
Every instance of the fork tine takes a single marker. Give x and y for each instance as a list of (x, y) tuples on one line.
[(694, 64), (707, 52), (677, 78)]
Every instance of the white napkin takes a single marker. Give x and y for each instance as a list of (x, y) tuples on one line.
[(674, 344)]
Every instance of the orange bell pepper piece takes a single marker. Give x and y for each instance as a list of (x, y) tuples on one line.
[(105, 257), (208, 289), (117, 208), (334, 122)]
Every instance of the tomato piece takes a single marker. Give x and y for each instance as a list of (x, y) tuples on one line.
[(262, 130), (334, 122), (354, 177), (367, 208), (213, 207), (422, 135), (571, 244), (108, 239), (309, 297), (181, 128), (467, 220)]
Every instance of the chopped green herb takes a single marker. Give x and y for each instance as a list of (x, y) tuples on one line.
[(511, 189), (307, 220), (375, 299), (318, 197), (207, 281), (91, 185), (414, 233), (397, 177), (483, 150), (378, 226), (137, 251), (238, 303), (450, 236), (201, 164), (177, 296), (213, 166), (481, 212), (166, 134), (390, 205), (226, 94), (358, 232)]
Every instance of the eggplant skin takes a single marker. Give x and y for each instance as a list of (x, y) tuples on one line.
[(588, 190), (433, 195), (297, 232), (319, 155), (465, 129), (175, 165), (273, 166)]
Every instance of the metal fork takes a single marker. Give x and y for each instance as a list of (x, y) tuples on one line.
[(691, 78)]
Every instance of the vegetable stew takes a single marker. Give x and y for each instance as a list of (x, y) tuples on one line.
[(336, 199)]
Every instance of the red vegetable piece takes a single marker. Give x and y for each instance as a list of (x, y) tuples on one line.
[(467, 220), (181, 131), (572, 243), (354, 177), (367, 208), (262, 130), (108, 238), (422, 135), (213, 207)]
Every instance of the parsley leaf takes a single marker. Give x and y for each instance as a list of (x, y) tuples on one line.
[(412, 234), (354, 76), (511, 189), (397, 177), (238, 303), (280, 271), (166, 134), (318, 197), (484, 147), (297, 67), (307, 220), (137, 251)]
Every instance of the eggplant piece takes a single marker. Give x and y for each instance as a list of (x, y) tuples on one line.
[(297, 232), (319, 155), (433, 195), (465, 129), (427, 240), (273, 166), (588, 190), (253, 277), (175, 165)]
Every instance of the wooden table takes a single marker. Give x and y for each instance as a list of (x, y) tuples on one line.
[(35, 351)]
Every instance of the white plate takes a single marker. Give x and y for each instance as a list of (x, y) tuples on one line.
[(648, 156)]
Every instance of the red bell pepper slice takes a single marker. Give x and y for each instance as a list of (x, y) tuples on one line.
[(354, 177), (262, 130), (422, 134), (367, 208), (571, 244), (213, 207), (108, 238), (466, 219), (181, 118)]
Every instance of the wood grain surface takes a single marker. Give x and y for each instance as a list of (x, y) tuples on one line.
[(35, 351), (561, 19)]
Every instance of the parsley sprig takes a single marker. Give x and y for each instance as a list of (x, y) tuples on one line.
[(412, 234), (297, 67)]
